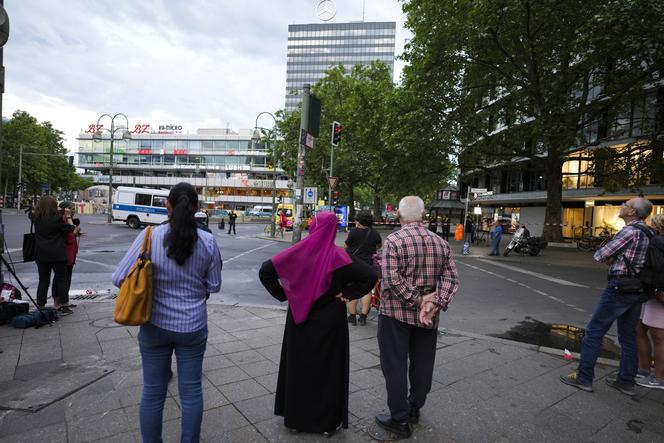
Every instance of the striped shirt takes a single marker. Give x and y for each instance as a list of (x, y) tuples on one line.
[(415, 262), (630, 242), (178, 292)]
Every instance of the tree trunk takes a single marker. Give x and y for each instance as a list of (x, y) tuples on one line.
[(378, 207), (553, 229), (351, 196)]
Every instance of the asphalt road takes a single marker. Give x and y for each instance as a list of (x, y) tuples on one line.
[(560, 286)]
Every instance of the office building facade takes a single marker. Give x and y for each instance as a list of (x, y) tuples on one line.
[(314, 48), (225, 166)]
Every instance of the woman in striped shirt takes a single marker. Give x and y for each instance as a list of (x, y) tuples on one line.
[(186, 266)]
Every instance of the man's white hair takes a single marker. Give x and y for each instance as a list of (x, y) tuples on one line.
[(411, 209)]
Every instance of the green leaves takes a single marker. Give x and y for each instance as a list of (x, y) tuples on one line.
[(44, 156)]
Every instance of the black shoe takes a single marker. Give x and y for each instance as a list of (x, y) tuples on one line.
[(363, 320), (400, 429), (352, 319), (414, 416), (64, 310), (625, 389)]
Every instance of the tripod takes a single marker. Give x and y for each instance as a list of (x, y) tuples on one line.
[(41, 313)]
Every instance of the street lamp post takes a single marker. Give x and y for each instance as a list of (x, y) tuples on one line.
[(97, 136), (256, 137)]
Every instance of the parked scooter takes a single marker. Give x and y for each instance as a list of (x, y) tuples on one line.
[(525, 244)]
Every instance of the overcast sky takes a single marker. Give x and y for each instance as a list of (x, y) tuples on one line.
[(196, 63)]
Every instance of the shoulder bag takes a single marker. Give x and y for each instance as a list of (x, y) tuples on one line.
[(29, 245), (133, 305)]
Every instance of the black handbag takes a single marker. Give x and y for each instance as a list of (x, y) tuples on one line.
[(29, 245), (630, 283)]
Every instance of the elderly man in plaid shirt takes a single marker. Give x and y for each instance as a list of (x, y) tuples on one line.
[(419, 280), (627, 250)]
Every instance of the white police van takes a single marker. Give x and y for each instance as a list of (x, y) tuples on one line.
[(140, 206)]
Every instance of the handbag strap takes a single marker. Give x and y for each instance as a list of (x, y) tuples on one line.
[(649, 234), (147, 244)]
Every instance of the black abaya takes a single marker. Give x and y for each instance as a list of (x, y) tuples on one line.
[(312, 388)]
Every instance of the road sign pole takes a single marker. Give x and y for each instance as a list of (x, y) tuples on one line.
[(329, 183), (299, 189)]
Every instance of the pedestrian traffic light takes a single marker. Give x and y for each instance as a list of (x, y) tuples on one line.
[(336, 133)]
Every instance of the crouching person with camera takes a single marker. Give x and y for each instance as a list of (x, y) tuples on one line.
[(621, 301)]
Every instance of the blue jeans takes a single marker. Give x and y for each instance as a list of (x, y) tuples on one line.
[(157, 347), (495, 245), (612, 306)]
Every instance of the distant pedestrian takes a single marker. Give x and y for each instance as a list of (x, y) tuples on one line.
[(316, 278), (187, 265), (419, 279), (232, 216), (51, 228), (283, 222), (362, 242), (470, 230), (72, 252), (652, 323), (446, 229), (496, 238), (626, 251)]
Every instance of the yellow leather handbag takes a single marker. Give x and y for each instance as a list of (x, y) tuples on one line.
[(134, 303)]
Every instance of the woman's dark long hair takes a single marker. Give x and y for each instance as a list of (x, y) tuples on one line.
[(182, 236), (47, 206)]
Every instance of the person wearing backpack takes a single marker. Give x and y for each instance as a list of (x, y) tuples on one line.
[(620, 301), (652, 314)]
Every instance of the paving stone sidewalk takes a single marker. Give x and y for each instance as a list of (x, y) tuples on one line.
[(484, 389)]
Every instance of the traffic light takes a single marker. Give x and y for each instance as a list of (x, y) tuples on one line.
[(336, 133)]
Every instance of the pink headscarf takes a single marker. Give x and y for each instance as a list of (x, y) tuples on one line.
[(305, 269)]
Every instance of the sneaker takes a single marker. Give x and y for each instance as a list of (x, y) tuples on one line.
[(352, 319), (651, 382), (571, 380), (615, 384), (64, 310), (642, 375)]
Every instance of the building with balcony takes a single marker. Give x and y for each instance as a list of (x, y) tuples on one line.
[(314, 48), (225, 166)]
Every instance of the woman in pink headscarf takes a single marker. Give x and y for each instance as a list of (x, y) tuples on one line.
[(316, 278)]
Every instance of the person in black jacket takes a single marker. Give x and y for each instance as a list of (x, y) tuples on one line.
[(51, 228)]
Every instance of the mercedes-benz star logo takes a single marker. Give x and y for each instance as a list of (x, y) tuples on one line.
[(326, 10)]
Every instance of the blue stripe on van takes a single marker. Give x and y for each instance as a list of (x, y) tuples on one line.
[(144, 209)]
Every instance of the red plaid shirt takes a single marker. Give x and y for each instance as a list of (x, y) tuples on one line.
[(630, 243), (415, 262)]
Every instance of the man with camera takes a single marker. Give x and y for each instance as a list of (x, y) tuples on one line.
[(621, 301)]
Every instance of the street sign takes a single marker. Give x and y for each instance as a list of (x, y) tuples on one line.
[(306, 139), (478, 190), (332, 181), (310, 195)]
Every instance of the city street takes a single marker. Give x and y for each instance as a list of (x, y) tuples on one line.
[(560, 286)]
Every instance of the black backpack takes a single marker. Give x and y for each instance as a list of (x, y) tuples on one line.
[(652, 274)]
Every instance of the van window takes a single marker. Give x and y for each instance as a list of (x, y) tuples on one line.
[(125, 197), (143, 199), (159, 201)]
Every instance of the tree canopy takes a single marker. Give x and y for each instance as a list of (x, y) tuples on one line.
[(45, 159), (387, 149), (532, 79)]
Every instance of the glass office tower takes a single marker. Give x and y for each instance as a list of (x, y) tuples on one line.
[(314, 48)]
